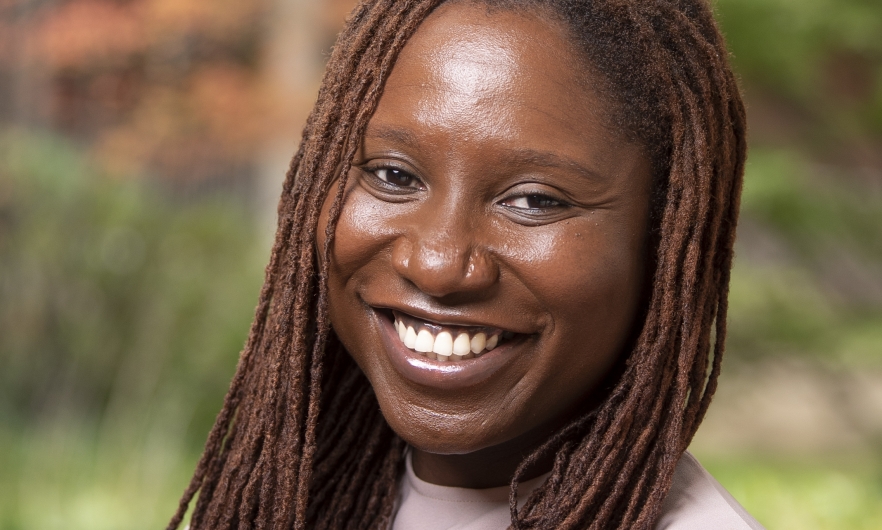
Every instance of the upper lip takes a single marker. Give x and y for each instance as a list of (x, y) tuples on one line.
[(451, 319)]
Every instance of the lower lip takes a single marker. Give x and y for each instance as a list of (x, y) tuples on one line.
[(448, 375)]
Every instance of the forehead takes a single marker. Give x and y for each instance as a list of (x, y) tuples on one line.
[(494, 74)]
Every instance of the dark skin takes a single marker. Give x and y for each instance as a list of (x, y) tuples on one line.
[(490, 191)]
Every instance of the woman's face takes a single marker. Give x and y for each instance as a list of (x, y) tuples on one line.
[(489, 198)]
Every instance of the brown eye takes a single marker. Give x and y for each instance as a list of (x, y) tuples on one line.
[(395, 177), (533, 202)]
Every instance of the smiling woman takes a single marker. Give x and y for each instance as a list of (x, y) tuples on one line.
[(488, 208), (517, 218)]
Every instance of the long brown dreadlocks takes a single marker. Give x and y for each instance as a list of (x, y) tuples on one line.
[(300, 441)]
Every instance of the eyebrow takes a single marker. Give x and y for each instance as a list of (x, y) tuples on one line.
[(521, 155), (395, 135), (551, 160)]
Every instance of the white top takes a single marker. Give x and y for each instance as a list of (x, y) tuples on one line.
[(695, 502)]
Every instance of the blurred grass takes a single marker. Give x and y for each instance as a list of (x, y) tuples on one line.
[(816, 494), (61, 477)]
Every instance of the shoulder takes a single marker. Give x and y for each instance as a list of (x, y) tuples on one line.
[(697, 501)]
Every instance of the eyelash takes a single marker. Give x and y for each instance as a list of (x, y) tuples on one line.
[(392, 171), (527, 197), (383, 181)]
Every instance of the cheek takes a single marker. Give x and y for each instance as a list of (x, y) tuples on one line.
[(579, 263), (363, 230), (589, 278), (360, 237)]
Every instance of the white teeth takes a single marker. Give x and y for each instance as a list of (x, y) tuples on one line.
[(462, 345), (443, 347), (424, 341), (410, 337), (443, 344), (478, 342)]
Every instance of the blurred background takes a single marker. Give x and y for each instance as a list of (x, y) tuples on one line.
[(142, 146)]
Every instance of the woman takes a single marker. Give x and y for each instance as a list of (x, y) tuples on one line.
[(516, 217)]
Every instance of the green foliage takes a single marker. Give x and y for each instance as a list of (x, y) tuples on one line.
[(116, 303), (122, 312), (811, 206), (822, 55), (807, 277), (67, 477), (779, 311), (804, 495)]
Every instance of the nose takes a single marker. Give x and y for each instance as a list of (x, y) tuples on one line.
[(444, 261)]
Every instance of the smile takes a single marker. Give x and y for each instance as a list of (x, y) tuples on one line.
[(458, 369), (446, 343)]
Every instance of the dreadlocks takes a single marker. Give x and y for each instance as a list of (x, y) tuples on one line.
[(300, 441)]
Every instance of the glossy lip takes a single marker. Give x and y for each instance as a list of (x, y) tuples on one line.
[(448, 375), (437, 328)]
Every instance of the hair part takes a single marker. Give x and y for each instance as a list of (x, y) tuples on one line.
[(300, 441)]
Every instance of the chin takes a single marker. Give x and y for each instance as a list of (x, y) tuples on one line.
[(446, 433)]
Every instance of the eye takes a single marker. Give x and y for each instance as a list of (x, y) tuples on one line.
[(394, 177), (533, 201)]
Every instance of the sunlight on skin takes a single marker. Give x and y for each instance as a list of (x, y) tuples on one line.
[(489, 181)]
